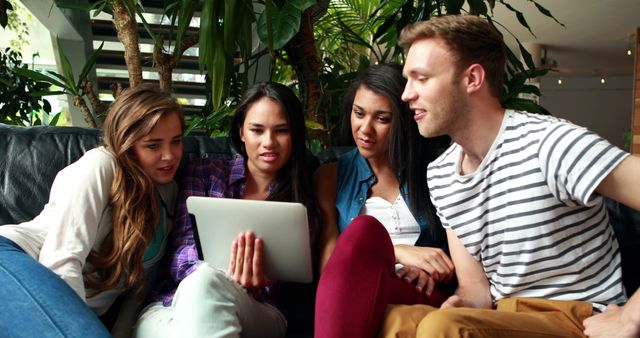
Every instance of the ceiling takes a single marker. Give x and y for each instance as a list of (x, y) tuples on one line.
[(595, 38)]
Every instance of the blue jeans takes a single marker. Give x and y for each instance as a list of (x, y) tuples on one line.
[(35, 302)]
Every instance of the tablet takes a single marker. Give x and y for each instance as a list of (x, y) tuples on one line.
[(282, 226)]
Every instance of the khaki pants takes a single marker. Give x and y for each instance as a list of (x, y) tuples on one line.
[(513, 317)]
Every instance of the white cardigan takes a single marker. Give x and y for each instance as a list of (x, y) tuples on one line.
[(76, 220)]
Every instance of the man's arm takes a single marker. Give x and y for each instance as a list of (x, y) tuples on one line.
[(622, 183), (473, 285), (616, 321)]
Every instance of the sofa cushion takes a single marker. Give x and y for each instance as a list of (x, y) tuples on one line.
[(29, 161), (31, 157)]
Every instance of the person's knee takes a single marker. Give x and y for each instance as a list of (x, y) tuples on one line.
[(154, 321), (204, 282), (365, 234), (441, 323), (365, 225)]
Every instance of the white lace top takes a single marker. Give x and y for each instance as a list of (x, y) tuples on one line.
[(396, 218)]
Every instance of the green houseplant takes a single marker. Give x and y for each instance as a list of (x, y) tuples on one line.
[(21, 96), (329, 45), (355, 33)]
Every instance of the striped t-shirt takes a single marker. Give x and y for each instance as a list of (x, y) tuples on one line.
[(529, 215)]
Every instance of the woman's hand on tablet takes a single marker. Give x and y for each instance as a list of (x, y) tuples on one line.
[(246, 262)]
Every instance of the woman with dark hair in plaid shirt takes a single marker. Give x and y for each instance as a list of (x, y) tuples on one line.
[(268, 131)]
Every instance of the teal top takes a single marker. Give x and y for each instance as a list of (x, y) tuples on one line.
[(155, 247)]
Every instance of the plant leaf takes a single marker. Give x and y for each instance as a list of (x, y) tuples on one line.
[(60, 78), (208, 21), (219, 70), (519, 16), (313, 125), (46, 93), (39, 76), (530, 89), (185, 13), (99, 7), (547, 13), (477, 7), (513, 60), (150, 31), (526, 56), (46, 106), (388, 23), (4, 18), (193, 124), (69, 79), (90, 63), (285, 22), (453, 6), (54, 120)]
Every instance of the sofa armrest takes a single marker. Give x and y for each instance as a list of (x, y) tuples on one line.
[(626, 224), (30, 158)]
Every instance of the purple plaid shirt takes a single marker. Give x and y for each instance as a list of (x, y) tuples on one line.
[(205, 177)]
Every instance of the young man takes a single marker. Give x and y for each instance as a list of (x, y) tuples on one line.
[(519, 195)]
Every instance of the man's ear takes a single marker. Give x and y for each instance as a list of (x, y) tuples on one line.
[(474, 77)]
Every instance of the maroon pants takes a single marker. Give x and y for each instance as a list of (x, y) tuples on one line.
[(359, 281)]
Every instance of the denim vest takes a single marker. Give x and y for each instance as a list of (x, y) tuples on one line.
[(355, 178)]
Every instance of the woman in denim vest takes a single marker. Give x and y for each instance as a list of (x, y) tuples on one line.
[(381, 241)]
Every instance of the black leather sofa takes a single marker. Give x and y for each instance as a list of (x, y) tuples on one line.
[(31, 157)]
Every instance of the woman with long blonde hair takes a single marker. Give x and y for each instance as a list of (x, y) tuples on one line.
[(104, 227)]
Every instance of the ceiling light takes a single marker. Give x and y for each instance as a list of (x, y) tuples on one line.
[(602, 80), (559, 81)]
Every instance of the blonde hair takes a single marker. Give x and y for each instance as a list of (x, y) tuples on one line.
[(119, 261), (471, 39)]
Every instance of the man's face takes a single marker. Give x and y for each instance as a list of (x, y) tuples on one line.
[(434, 91)]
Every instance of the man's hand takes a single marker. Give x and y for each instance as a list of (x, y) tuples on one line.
[(455, 301), (432, 260), (611, 323), (246, 262)]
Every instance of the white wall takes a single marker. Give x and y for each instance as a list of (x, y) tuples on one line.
[(603, 108)]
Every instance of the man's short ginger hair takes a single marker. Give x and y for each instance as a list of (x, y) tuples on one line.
[(471, 39)]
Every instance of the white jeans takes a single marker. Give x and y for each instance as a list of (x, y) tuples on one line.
[(209, 304)]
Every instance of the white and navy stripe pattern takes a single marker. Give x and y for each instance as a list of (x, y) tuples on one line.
[(529, 215)]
